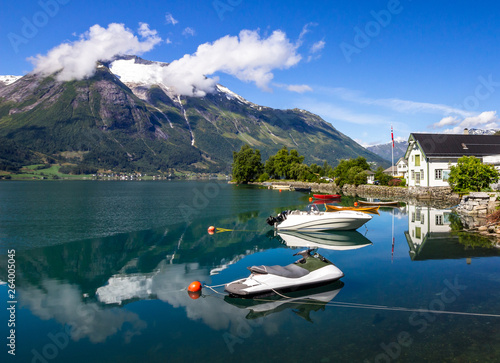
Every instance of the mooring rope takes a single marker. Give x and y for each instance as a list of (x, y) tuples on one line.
[(378, 307)]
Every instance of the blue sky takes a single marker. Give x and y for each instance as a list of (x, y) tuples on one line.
[(421, 66)]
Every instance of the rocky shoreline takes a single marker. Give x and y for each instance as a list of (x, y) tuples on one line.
[(474, 209)]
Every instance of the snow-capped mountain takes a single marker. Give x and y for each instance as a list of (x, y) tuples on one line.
[(482, 132), (127, 117)]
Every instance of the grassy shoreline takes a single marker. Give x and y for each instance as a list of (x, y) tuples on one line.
[(51, 172)]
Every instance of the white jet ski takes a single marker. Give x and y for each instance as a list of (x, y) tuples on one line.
[(310, 270), (314, 220)]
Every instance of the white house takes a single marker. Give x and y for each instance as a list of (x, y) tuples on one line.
[(402, 168), (430, 156), (370, 177)]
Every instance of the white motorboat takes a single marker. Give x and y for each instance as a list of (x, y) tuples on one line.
[(334, 240), (314, 220), (311, 269)]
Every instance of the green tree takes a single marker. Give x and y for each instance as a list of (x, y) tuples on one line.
[(247, 165), (344, 175), (281, 164), (471, 175), (382, 177), (270, 168), (301, 172)]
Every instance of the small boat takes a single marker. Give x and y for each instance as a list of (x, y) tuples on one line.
[(311, 270), (314, 220), (303, 190), (326, 196), (281, 186), (336, 208), (390, 203), (334, 240)]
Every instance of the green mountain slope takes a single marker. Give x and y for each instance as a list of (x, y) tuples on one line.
[(112, 125)]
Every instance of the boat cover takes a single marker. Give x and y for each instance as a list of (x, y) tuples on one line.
[(291, 271)]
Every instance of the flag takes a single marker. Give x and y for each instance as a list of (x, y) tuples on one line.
[(392, 137)]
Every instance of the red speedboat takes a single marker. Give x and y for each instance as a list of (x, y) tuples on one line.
[(326, 196)]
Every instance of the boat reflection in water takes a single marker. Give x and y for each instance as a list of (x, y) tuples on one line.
[(435, 234), (330, 240), (301, 302)]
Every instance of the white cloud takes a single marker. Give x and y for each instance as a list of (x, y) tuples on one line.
[(316, 47), (248, 57), (303, 33), (299, 88), (485, 120), (446, 121), (399, 105), (77, 60), (189, 32), (170, 19)]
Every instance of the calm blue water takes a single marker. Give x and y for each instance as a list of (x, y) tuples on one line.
[(101, 269)]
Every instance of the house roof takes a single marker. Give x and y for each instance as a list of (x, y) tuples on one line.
[(391, 169), (457, 145)]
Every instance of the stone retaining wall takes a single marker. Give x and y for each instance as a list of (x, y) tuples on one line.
[(443, 194), (474, 208)]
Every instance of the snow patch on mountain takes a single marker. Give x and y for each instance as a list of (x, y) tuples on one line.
[(131, 72), (230, 95), (6, 80)]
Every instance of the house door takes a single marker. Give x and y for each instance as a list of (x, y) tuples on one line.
[(417, 178)]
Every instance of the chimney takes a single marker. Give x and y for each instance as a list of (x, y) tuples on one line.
[(466, 131)]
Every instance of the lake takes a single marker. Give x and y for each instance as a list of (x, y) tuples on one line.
[(101, 270)]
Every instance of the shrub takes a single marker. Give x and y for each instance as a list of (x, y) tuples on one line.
[(263, 177), (394, 182)]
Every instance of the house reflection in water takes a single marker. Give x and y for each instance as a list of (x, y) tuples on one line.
[(430, 237)]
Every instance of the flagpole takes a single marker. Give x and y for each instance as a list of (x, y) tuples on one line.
[(392, 137)]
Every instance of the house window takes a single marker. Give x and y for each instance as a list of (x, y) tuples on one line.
[(418, 214), (417, 178), (413, 175), (413, 216), (418, 232), (417, 160), (439, 220), (422, 174), (438, 174)]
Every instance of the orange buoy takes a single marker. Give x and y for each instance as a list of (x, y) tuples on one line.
[(211, 229), (194, 287), (310, 199), (194, 294), (280, 190), (355, 204)]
